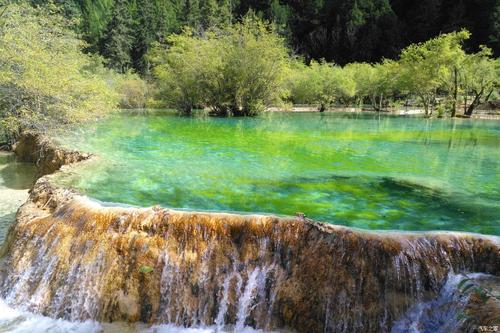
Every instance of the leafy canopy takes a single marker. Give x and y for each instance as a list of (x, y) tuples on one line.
[(237, 70), (45, 79)]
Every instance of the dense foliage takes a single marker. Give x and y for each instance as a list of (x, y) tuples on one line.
[(49, 76), (244, 68), (438, 73), (341, 31), (45, 79), (238, 70)]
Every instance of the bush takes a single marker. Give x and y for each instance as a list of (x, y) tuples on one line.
[(236, 71), (321, 83), (45, 79), (133, 91)]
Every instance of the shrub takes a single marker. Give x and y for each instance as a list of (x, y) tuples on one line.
[(45, 79), (235, 71), (133, 91), (322, 83)]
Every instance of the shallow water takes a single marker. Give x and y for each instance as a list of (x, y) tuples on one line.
[(367, 171), (15, 180)]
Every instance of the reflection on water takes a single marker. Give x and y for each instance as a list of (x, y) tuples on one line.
[(15, 180), (370, 171)]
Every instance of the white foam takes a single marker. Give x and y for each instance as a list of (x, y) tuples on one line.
[(16, 321)]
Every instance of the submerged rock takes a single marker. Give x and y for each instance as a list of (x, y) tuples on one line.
[(69, 257)]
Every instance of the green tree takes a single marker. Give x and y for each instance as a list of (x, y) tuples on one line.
[(45, 79), (95, 18), (304, 83), (480, 78), (235, 71), (178, 70), (344, 85), (117, 40), (323, 84), (154, 22), (365, 77), (427, 67)]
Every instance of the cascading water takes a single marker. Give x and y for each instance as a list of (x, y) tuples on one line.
[(445, 313), (71, 258)]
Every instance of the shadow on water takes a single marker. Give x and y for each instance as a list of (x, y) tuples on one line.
[(17, 176)]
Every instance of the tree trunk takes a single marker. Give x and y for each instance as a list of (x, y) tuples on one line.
[(374, 102), (475, 102), (426, 104), (473, 105), (455, 93)]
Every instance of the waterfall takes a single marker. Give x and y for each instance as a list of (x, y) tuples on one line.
[(77, 260), (443, 314), (246, 299), (220, 320)]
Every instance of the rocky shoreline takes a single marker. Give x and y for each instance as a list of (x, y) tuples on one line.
[(69, 257), (36, 148)]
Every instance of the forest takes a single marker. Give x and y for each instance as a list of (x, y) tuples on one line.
[(67, 62), (340, 31)]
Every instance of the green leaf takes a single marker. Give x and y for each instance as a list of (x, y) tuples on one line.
[(466, 288), (462, 282), (146, 269)]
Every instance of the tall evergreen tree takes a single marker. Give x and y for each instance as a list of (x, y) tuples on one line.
[(336, 30), (155, 20), (95, 17), (118, 38)]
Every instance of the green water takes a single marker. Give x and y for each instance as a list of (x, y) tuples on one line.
[(366, 171)]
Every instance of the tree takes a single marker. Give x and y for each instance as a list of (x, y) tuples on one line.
[(312, 85), (45, 79), (427, 67), (95, 18), (154, 21), (481, 77), (253, 68), (339, 31), (322, 83), (343, 84), (235, 71), (116, 43), (179, 69)]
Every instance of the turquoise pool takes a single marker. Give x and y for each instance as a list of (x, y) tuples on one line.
[(362, 170)]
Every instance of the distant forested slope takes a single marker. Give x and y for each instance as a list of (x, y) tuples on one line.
[(336, 30)]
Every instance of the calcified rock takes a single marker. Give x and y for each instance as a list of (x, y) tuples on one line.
[(70, 257), (36, 148)]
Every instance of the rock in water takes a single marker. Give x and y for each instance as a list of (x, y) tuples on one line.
[(69, 257)]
